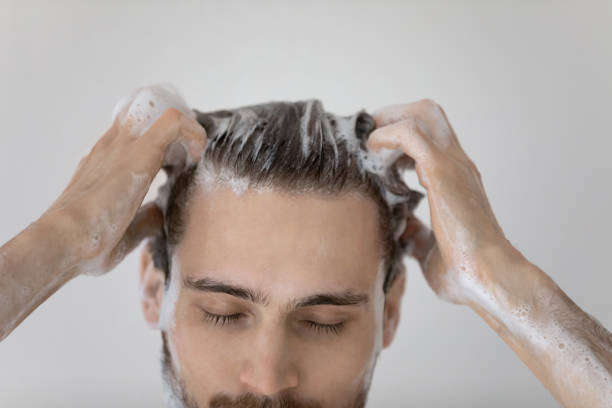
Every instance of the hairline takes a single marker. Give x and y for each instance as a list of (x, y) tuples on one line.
[(198, 174)]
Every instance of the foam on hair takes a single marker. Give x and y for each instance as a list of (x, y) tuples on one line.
[(293, 147)]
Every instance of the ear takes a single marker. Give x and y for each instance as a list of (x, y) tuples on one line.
[(393, 302), (151, 286)]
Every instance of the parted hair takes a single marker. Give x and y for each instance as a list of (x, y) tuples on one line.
[(294, 147)]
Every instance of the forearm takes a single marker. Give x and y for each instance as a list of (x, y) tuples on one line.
[(33, 265), (567, 349)]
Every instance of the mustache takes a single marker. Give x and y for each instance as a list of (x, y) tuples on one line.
[(250, 400)]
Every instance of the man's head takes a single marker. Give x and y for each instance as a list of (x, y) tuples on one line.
[(278, 275)]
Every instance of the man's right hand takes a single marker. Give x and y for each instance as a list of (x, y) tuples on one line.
[(100, 207)]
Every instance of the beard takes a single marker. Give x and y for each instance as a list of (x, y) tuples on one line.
[(178, 397), (282, 401)]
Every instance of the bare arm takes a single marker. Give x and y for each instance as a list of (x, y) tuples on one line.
[(32, 267), (45, 255), (467, 260), (567, 349), (97, 220)]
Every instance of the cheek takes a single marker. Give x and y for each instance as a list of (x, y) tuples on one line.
[(206, 354), (330, 367), (339, 369)]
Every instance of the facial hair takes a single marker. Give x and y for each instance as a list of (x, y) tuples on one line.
[(283, 401)]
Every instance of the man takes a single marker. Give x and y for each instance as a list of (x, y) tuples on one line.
[(274, 268)]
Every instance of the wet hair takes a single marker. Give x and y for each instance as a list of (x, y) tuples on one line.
[(294, 147)]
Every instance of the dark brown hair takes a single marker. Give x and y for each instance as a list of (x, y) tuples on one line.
[(294, 147)]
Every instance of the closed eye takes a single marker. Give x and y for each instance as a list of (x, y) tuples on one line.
[(335, 328), (320, 328), (221, 320)]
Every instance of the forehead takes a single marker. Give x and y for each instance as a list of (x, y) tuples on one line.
[(301, 240)]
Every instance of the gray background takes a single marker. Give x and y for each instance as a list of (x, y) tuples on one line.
[(526, 87)]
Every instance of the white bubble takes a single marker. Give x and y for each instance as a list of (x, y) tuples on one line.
[(378, 162), (145, 105), (171, 294)]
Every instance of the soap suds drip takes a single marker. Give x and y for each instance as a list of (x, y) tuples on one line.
[(167, 323), (170, 297)]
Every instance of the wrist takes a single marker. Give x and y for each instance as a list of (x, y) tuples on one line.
[(512, 286), (508, 278)]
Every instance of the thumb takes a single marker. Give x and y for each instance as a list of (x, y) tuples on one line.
[(147, 222), (417, 238)]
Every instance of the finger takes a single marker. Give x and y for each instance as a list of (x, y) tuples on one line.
[(147, 222), (418, 239), (175, 138), (395, 113), (194, 136), (446, 120), (434, 272), (173, 125), (405, 134), (429, 117)]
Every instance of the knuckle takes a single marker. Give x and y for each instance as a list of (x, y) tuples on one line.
[(430, 103), (172, 114), (432, 107)]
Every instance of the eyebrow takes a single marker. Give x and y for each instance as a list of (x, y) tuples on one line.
[(342, 298)]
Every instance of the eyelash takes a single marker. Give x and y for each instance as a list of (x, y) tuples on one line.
[(221, 320)]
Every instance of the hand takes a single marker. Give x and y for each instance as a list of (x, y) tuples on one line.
[(99, 209), (465, 230)]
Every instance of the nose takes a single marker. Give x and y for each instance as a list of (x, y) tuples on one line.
[(268, 368)]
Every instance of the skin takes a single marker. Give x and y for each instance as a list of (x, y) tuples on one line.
[(96, 221), (307, 245), (465, 258)]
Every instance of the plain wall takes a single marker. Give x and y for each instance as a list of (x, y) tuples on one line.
[(526, 86)]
